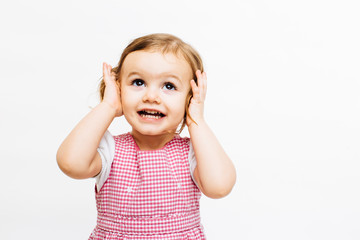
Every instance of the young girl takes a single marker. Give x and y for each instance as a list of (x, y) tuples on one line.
[(149, 181)]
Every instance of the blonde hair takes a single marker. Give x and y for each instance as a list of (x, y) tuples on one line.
[(165, 43)]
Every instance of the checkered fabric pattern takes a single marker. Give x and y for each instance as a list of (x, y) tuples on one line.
[(149, 194)]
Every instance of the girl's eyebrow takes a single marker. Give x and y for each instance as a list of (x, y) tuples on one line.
[(133, 73), (171, 75)]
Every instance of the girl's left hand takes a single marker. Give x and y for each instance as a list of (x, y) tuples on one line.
[(196, 107)]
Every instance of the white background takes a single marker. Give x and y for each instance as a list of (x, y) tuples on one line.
[(283, 99)]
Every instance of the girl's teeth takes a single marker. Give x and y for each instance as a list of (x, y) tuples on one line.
[(150, 116), (152, 112)]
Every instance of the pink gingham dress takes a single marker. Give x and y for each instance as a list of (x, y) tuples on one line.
[(149, 194)]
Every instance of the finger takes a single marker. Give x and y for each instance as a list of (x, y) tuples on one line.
[(201, 84), (107, 72), (112, 74), (204, 84), (104, 69)]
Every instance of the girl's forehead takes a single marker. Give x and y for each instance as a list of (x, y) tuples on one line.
[(141, 56), (155, 62)]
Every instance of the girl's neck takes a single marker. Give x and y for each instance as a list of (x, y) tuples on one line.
[(151, 142)]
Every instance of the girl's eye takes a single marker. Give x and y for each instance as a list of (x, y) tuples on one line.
[(138, 82), (169, 86)]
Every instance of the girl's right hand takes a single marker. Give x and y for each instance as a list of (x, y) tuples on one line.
[(112, 90)]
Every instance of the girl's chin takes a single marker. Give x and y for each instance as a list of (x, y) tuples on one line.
[(153, 132)]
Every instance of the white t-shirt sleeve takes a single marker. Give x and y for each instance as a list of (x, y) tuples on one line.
[(106, 150), (192, 161)]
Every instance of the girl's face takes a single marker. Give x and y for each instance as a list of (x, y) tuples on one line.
[(154, 87)]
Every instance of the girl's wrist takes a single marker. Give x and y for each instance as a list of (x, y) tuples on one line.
[(196, 124), (109, 108)]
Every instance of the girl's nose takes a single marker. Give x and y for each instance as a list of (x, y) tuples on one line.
[(151, 95)]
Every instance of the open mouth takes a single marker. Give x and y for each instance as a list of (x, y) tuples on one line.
[(151, 114)]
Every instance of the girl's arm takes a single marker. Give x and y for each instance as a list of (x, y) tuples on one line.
[(214, 173), (77, 156)]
